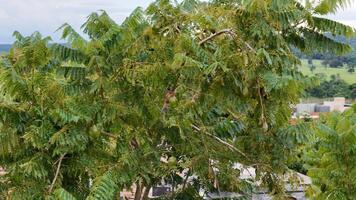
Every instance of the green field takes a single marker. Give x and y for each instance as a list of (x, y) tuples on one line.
[(320, 68)]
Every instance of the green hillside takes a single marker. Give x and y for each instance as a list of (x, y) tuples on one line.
[(320, 68)]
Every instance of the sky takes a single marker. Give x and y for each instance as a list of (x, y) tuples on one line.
[(45, 16)]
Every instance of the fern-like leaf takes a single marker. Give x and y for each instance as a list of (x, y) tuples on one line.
[(65, 53), (62, 194), (73, 38), (336, 28), (331, 6), (104, 188)]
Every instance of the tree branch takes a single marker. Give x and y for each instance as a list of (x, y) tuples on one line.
[(56, 175), (224, 31), (145, 193), (263, 117), (249, 47), (186, 180), (138, 192), (231, 147)]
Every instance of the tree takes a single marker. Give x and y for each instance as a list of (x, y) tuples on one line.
[(192, 86), (325, 63), (312, 68), (331, 159), (311, 65), (351, 68), (352, 94)]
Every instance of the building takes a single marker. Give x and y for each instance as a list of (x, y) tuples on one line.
[(313, 110)]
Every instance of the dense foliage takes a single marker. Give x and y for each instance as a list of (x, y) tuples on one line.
[(331, 158), (182, 88)]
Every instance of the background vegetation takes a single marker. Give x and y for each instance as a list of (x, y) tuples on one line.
[(326, 72)]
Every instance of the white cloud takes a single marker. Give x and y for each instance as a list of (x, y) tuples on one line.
[(346, 16), (46, 16), (3, 15)]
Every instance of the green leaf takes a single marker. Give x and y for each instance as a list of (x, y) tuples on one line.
[(62, 194)]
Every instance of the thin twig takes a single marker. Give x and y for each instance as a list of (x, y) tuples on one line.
[(231, 147), (234, 115), (56, 175), (251, 48), (216, 181), (109, 134)]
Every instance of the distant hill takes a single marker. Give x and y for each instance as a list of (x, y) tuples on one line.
[(5, 47), (351, 41)]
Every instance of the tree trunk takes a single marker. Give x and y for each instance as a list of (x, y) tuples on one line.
[(138, 191), (145, 194)]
